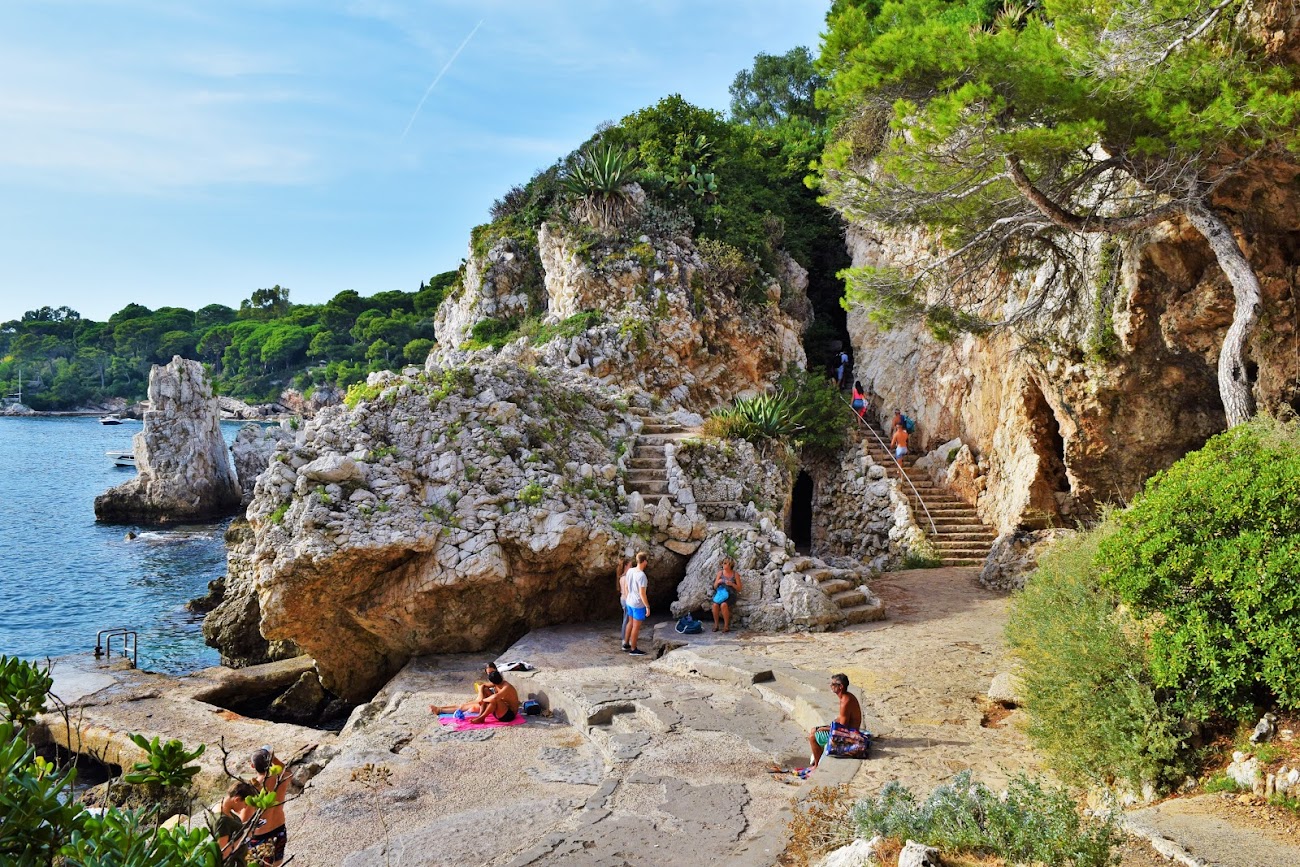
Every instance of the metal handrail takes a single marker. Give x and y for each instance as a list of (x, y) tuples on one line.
[(902, 472)]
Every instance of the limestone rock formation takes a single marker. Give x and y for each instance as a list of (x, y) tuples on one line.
[(1015, 555), (450, 511), (1081, 403), (183, 467), (252, 450), (233, 624), (662, 319)]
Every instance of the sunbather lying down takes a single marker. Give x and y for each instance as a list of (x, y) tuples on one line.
[(497, 697)]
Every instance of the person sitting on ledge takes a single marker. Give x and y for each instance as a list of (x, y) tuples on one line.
[(849, 716), (497, 697)]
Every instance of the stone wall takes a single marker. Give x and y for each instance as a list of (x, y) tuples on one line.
[(724, 478), (858, 512)]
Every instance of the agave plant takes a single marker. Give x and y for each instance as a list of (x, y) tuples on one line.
[(767, 417), (596, 181)]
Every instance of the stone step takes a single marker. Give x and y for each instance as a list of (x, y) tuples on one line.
[(649, 428), (863, 614), (971, 534), (647, 487), (848, 598), (961, 561), (645, 463), (835, 585)]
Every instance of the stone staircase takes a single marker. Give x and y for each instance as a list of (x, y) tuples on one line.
[(962, 539), (647, 468)]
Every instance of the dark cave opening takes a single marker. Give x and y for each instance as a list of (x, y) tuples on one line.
[(801, 512), (1047, 439)]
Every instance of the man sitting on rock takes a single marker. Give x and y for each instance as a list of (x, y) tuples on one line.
[(850, 717), (497, 697)]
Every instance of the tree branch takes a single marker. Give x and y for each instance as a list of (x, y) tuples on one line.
[(1078, 222)]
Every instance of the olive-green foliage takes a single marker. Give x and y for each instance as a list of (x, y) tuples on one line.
[(726, 268), (968, 83), (595, 180), (760, 419), (531, 494), (804, 412), (495, 333), (23, 689), (167, 763), (823, 418), (1094, 709), (1208, 557), (1033, 823), (40, 825), (253, 353), (777, 89)]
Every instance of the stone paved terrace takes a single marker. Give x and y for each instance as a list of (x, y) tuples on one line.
[(647, 762)]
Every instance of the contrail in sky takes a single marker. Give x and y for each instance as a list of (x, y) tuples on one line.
[(437, 78)]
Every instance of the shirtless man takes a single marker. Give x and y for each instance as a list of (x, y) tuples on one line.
[(266, 843), (850, 716), (497, 697), (899, 442)]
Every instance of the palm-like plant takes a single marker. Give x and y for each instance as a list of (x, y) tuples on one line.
[(761, 419), (596, 182)]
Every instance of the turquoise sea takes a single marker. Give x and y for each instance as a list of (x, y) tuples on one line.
[(63, 577)]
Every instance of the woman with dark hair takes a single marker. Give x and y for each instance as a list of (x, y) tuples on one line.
[(267, 842), (859, 399)]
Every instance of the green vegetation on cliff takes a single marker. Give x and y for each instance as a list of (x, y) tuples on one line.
[(1014, 131), (1179, 611), (254, 352)]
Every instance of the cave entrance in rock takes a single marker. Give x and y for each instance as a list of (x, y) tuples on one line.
[(801, 513), (1047, 441)]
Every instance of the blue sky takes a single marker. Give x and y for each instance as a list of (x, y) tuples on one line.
[(182, 153)]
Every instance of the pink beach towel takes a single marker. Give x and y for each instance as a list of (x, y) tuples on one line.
[(465, 725)]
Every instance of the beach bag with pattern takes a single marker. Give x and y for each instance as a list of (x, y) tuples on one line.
[(847, 743)]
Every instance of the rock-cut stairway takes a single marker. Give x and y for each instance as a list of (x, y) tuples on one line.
[(647, 468), (961, 539)]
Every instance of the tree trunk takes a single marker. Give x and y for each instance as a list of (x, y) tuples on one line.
[(1234, 384)]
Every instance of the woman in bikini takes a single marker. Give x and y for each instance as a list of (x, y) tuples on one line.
[(727, 578)]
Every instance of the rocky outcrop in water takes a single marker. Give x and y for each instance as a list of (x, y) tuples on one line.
[(183, 467)]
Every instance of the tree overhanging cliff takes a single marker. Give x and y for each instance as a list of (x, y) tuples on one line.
[(1011, 130)]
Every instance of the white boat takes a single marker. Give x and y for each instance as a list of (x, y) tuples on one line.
[(111, 419), (122, 459)]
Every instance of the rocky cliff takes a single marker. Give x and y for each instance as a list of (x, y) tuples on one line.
[(647, 312), (1080, 406), (183, 467)]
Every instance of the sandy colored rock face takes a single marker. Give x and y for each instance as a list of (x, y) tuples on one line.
[(1055, 425), (252, 450), (183, 467)]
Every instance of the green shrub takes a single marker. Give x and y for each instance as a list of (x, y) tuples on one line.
[(1208, 559), (23, 690), (167, 763), (823, 418), (1093, 706), (495, 333), (531, 494), (1032, 824), (760, 419)]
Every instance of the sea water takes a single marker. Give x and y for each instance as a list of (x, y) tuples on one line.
[(63, 576)]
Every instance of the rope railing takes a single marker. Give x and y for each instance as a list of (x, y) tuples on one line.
[(901, 472)]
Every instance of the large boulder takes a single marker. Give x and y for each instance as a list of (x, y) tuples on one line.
[(1015, 555), (448, 511), (252, 450), (183, 467)]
